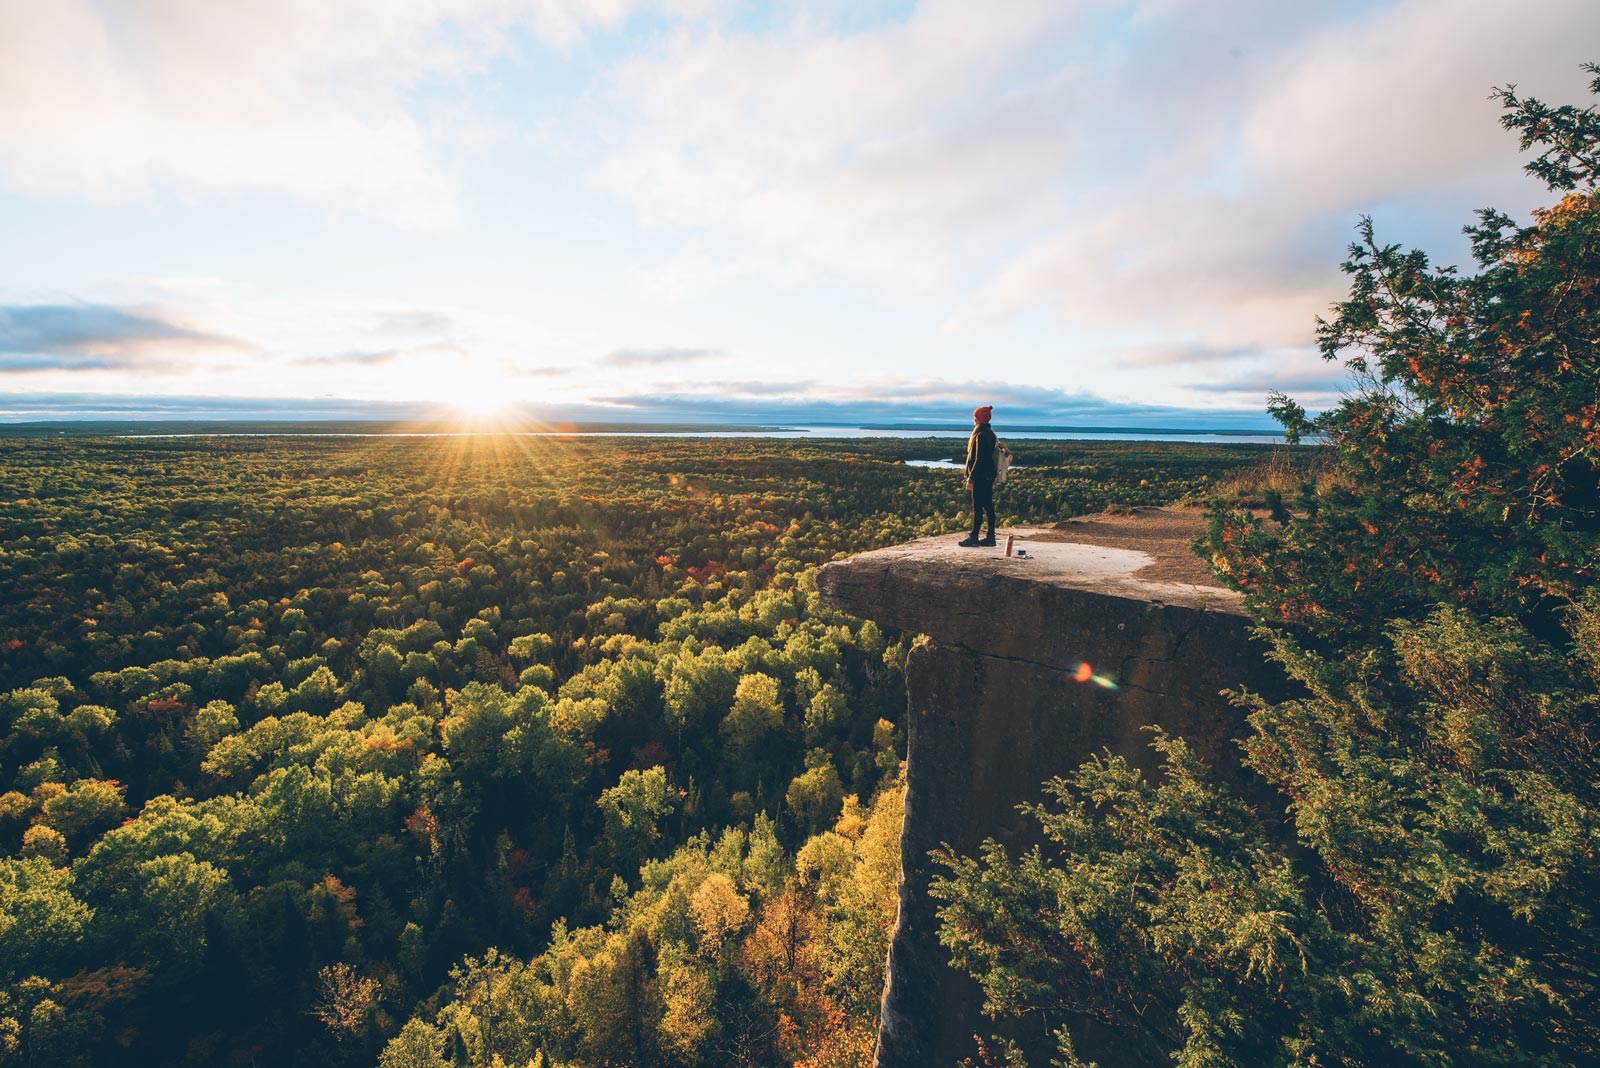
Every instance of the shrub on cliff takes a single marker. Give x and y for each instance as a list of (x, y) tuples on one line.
[(1431, 897)]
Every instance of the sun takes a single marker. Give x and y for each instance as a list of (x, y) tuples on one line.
[(482, 406), (476, 391)]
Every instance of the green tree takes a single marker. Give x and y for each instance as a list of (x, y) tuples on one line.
[(172, 891), (210, 725), (85, 806), (40, 916), (418, 1045), (814, 797), (318, 693), (756, 716), (1432, 898), (633, 810), (826, 713)]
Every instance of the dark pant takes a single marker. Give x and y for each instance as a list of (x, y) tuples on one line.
[(982, 504)]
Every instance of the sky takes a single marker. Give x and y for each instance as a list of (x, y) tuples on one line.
[(1083, 212)]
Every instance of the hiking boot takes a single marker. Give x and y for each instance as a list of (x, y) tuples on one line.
[(970, 540), (989, 541)]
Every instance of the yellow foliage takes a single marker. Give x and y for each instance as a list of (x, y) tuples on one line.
[(688, 1017), (719, 910), (851, 821), (47, 842)]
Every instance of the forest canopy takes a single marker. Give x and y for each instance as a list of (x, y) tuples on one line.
[(427, 751)]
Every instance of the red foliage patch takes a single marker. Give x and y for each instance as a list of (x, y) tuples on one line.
[(653, 754), (165, 706)]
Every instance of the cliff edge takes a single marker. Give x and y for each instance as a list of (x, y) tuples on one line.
[(1032, 664)]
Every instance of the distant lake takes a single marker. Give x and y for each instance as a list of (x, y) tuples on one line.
[(816, 431)]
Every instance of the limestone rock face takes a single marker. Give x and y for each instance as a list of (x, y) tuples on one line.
[(999, 702)]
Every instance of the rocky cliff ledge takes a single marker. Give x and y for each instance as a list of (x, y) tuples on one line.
[(1000, 700)]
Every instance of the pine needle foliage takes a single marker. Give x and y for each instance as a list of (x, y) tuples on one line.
[(1431, 898)]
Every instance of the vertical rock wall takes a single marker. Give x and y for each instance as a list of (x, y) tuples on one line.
[(996, 707)]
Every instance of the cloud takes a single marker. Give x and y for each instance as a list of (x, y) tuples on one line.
[(396, 354), (10, 363), (935, 405), (167, 339), (1395, 101), (932, 401), (1232, 232), (351, 102), (1179, 353), (1322, 385), (437, 371), (1190, 171), (656, 357), (885, 150), (411, 320), (38, 337), (44, 407)]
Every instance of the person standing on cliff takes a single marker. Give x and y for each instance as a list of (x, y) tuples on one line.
[(980, 474)]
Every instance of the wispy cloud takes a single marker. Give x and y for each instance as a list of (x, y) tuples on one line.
[(1181, 353), (396, 354), (656, 357), (36, 337), (13, 363), (940, 406), (884, 150), (1230, 230), (1315, 386), (347, 102), (903, 400), (45, 407), (1191, 169), (413, 321)]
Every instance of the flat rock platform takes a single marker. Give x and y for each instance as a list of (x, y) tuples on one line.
[(1141, 553)]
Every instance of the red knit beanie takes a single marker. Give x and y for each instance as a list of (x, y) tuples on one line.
[(982, 414)]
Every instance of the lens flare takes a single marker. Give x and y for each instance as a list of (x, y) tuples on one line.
[(1085, 673)]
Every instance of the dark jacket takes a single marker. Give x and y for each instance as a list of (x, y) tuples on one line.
[(980, 453)]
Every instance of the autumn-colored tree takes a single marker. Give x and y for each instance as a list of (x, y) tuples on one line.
[(1467, 457), (346, 1000)]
